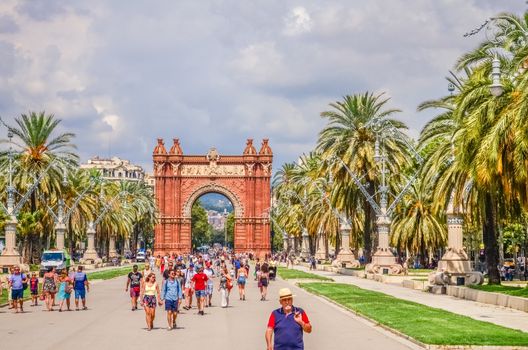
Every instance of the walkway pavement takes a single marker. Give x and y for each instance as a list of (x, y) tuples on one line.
[(109, 324), (495, 314)]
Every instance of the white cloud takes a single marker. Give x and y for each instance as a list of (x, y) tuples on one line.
[(121, 73), (298, 21)]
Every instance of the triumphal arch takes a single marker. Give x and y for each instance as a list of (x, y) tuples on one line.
[(181, 179)]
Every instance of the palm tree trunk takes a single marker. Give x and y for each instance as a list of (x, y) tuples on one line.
[(489, 234)]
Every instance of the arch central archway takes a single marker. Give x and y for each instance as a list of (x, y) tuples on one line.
[(181, 179), (213, 187)]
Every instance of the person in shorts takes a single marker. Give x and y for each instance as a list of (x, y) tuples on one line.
[(34, 287), (210, 284), (199, 282), (17, 281), (80, 286), (171, 293), (134, 282), (188, 275)]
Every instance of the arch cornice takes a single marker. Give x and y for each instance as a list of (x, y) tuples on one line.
[(213, 187)]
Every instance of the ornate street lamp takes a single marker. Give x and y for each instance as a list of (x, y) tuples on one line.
[(10, 256), (383, 261), (496, 88)]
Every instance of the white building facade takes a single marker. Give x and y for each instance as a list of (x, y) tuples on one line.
[(115, 169)]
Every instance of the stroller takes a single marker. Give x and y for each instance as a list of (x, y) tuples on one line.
[(272, 272)]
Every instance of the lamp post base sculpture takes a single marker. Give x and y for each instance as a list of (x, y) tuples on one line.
[(305, 246), (383, 261), (320, 254), (90, 256), (454, 268), (10, 255), (345, 257)]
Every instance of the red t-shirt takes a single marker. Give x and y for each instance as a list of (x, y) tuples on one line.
[(199, 281)]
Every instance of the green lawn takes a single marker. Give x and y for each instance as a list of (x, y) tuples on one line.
[(510, 290), (425, 324), (291, 274), (108, 274)]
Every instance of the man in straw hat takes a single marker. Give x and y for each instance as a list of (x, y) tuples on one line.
[(287, 323)]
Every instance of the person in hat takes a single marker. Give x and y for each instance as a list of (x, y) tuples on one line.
[(287, 324)]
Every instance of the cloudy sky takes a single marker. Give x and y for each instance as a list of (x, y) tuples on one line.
[(214, 73)]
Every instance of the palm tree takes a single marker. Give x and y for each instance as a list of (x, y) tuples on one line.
[(353, 126), (36, 148), (416, 226)]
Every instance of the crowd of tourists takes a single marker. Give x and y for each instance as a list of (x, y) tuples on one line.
[(188, 281), (54, 289)]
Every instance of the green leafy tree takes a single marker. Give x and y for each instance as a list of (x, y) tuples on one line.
[(201, 229)]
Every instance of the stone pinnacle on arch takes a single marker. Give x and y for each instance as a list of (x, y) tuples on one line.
[(265, 149), (250, 149), (160, 147), (176, 148)]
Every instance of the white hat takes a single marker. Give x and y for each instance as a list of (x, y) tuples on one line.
[(285, 293)]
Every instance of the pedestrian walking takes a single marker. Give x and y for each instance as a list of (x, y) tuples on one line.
[(34, 288), (149, 291), (171, 293), (210, 284), (80, 286), (49, 287), (134, 283), (167, 271), (241, 282), (188, 275), (65, 289), (17, 283), (199, 281), (225, 288), (263, 281), (287, 324)]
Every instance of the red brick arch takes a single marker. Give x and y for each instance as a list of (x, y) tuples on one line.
[(181, 179)]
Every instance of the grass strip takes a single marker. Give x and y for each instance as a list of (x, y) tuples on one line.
[(112, 273), (292, 274), (510, 290), (423, 323)]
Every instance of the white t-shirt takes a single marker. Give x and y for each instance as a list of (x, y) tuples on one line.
[(188, 275), (210, 274)]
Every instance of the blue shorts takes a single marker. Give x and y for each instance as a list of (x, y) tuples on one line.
[(17, 294), (200, 293), (171, 305), (80, 294)]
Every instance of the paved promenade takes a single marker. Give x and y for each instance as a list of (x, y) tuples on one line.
[(495, 314), (109, 324)]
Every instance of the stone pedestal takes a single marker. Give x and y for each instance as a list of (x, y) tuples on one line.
[(111, 247), (285, 243), (455, 267), (345, 257), (60, 230), (383, 261), (320, 254), (90, 255), (305, 245), (10, 255)]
